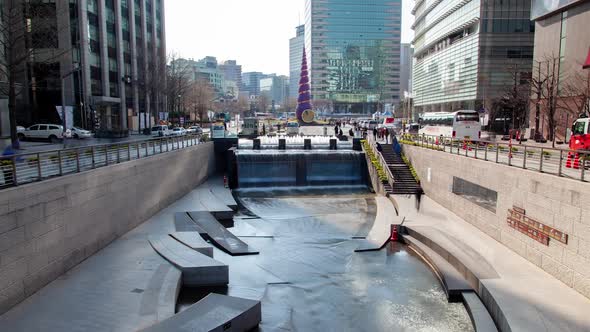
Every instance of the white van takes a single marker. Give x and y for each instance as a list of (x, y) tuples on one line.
[(160, 131)]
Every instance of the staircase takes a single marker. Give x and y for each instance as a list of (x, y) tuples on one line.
[(404, 184)]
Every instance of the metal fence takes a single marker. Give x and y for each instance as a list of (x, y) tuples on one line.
[(559, 162), (25, 168)]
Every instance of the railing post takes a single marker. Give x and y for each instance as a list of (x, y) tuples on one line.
[(14, 175), (93, 162), (77, 161), (497, 152), (560, 163), (129, 151), (476, 146), (583, 167), (106, 155), (59, 161), (39, 171), (138, 147), (524, 158), (147, 146), (154, 147), (167, 144), (509, 155), (161, 146), (486, 152), (118, 155), (541, 161)]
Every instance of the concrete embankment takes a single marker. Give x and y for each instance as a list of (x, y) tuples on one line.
[(486, 194), (47, 228)]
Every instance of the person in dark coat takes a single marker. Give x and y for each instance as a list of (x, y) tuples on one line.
[(386, 133), (375, 133), (336, 130), (351, 132)]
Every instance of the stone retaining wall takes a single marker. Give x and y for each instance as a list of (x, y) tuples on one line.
[(47, 228), (560, 203)]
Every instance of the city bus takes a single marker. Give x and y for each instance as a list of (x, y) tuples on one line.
[(463, 124)]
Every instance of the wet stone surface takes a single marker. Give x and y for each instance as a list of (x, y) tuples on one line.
[(310, 279)]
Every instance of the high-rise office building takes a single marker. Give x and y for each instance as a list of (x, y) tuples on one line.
[(462, 51), (232, 71), (112, 55), (354, 53), (562, 37), (406, 61), (251, 82), (276, 88), (295, 52)]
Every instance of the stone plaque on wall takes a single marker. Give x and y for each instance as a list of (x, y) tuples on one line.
[(534, 229)]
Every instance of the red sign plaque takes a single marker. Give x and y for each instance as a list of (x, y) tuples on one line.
[(540, 232)]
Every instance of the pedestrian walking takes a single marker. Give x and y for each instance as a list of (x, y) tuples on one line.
[(351, 133), (375, 133), (386, 136), (336, 130), (325, 131)]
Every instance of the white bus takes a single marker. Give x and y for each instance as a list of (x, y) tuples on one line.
[(463, 124), (292, 128)]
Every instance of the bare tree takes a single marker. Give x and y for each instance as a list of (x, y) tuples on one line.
[(291, 104), (178, 77), (544, 84), (575, 94), (323, 106), (28, 34), (515, 97), (263, 102), (199, 98)]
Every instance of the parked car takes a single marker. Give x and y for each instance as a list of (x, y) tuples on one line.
[(194, 130), (80, 133), (50, 132), (161, 130), (178, 131)]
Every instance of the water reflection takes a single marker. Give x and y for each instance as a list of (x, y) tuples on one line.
[(310, 279)]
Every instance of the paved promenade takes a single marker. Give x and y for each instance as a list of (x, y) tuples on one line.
[(124, 287)]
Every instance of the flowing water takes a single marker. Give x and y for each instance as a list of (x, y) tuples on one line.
[(309, 278)]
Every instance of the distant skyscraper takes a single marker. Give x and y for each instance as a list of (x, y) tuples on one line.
[(406, 58), (295, 50), (463, 49), (232, 71), (276, 88), (354, 53), (251, 82)]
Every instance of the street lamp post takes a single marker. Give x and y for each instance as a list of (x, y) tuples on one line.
[(76, 66)]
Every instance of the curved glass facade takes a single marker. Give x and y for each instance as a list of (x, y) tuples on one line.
[(354, 51)]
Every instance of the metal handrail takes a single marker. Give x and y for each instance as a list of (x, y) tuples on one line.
[(561, 162), (373, 145), (25, 168)]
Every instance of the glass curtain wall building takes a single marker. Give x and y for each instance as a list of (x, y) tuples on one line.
[(354, 53), (295, 54), (465, 51)]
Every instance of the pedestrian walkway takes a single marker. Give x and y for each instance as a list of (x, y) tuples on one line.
[(524, 296)]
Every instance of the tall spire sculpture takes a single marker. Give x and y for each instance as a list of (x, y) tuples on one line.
[(304, 108)]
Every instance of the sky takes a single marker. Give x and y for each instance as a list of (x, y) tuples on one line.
[(256, 33)]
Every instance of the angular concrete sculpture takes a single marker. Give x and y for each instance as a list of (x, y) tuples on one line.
[(194, 241), (214, 313), (197, 269), (220, 236)]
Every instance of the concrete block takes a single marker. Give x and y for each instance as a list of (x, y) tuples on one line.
[(513, 243), (53, 207), (577, 263), (584, 248), (37, 261), (582, 284), (585, 215), (49, 239), (39, 228), (12, 273), (16, 253), (555, 251), (581, 230), (534, 256), (89, 194), (30, 214), (73, 258), (541, 213), (8, 222), (11, 296), (3, 208), (11, 238), (571, 212), (558, 270), (41, 278)]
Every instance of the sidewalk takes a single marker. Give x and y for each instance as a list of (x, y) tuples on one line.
[(529, 298)]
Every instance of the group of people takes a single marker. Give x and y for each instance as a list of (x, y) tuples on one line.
[(383, 133)]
